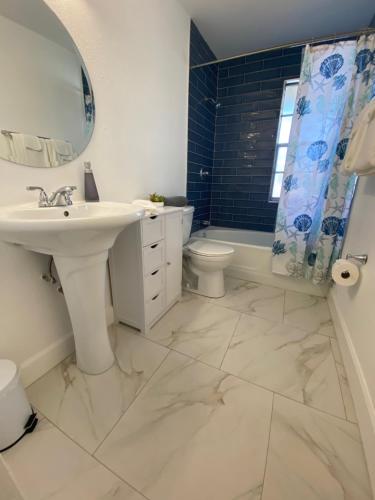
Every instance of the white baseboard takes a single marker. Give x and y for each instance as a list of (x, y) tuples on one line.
[(39, 364), (361, 395), (270, 279), (43, 361)]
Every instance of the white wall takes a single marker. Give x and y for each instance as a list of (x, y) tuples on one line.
[(42, 86), (136, 53), (355, 315)]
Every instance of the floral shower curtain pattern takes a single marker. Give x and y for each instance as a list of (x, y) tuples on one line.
[(337, 81)]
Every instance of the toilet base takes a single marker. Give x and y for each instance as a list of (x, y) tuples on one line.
[(207, 284), (198, 292)]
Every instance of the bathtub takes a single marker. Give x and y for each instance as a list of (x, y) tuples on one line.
[(252, 258)]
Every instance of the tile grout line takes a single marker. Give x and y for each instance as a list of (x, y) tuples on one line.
[(337, 363), (255, 384), (339, 380), (211, 301), (120, 478), (117, 421), (268, 446), (131, 404), (89, 454), (230, 341)]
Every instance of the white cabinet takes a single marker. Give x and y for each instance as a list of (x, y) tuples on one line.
[(146, 268), (173, 254)]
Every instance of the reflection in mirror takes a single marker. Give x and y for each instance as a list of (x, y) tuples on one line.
[(46, 99)]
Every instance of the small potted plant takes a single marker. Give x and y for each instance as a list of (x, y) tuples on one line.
[(157, 199)]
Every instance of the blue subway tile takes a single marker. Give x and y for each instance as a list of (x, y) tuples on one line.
[(235, 143)]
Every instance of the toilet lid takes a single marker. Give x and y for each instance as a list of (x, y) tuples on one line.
[(209, 248)]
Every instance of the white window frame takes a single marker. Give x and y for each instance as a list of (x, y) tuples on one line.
[(290, 81)]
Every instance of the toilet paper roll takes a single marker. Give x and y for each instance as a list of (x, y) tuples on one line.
[(345, 273)]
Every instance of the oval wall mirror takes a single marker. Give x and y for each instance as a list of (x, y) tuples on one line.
[(46, 100)]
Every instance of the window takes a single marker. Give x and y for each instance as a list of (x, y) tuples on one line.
[(283, 133)]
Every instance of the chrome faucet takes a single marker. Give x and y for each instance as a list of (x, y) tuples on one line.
[(62, 197)]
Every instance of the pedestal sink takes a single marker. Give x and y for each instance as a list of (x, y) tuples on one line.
[(79, 237)]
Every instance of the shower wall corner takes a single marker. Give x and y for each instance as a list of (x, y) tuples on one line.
[(201, 136)]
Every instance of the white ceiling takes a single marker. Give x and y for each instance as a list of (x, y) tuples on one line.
[(232, 27), (36, 16)]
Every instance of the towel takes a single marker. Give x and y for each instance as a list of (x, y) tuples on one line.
[(360, 155), (60, 152), (150, 207), (176, 201), (63, 148), (18, 149), (20, 153), (5, 146), (32, 142)]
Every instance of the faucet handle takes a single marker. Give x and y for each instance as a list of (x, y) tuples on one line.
[(43, 196), (34, 188), (68, 193), (70, 188)]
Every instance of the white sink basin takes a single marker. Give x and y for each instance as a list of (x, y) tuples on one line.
[(78, 237), (80, 229)]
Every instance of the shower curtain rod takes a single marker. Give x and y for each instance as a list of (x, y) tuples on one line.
[(327, 38)]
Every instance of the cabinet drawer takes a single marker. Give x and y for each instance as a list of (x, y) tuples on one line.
[(153, 283), (152, 229), (153, 257), (154, 307)]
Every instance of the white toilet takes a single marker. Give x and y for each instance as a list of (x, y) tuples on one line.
[(204, 262)]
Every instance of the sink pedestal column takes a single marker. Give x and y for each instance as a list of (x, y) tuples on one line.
[(83, 282)]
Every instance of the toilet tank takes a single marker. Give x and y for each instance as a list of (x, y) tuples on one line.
[(187, 221)]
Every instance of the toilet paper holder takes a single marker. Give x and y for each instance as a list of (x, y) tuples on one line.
[(361, 258)]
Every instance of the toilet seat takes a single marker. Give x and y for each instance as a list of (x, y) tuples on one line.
[(209, 249)]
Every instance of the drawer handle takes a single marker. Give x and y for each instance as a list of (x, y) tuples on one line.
[(153, 217), (155, 245), (169, 263), (156, 296), (155, 272)]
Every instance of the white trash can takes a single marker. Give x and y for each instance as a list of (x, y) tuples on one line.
[(16, 415)]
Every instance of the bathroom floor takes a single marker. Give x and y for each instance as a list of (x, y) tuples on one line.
[(239, 398)]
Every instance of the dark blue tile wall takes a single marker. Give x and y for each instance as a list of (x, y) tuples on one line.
[(250, 91), (235, 144), (202, 116)]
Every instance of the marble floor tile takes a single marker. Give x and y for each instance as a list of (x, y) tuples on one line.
[(336, 351), (190, 297), (8, 487), (252, 298), (308, 312), (48, 465), (287, 360), (193, 433), (346, 394), (344, 383), (313, 456), (86, 407), (197, 328)]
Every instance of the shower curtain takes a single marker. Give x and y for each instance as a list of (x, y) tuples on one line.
[(337, 81)]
